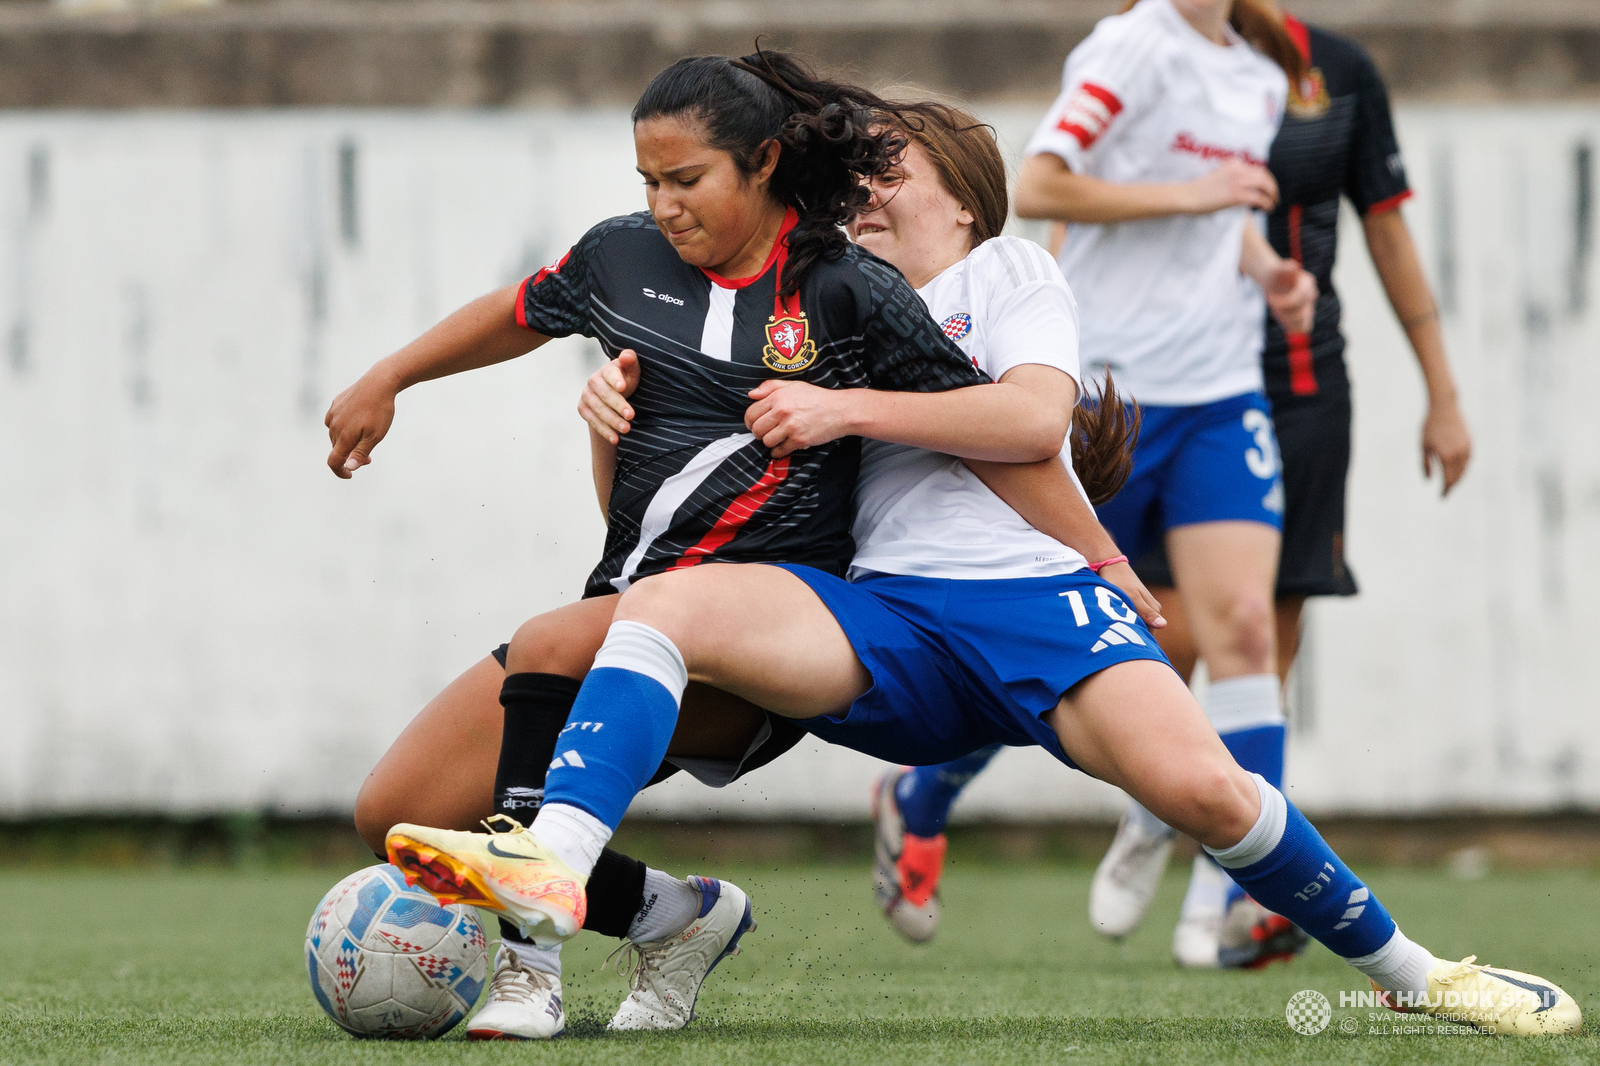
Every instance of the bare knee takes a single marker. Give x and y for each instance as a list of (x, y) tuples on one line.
[(375, 814), (1247, 633), (663, 602), (1215, 802), (558, 642)]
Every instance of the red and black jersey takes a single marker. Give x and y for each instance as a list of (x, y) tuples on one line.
[(692, 484), (1337, 139)]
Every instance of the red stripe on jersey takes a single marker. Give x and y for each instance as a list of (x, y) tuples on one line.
[(738, 513), (1299, 35), (522, 303), (1389, 204), (1089, 112), (1302, 369), (780, 250), (527, 283)]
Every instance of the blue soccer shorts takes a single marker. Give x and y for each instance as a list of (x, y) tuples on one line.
[(959, 665), (1213, 462)]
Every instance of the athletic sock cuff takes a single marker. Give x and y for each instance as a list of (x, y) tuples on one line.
[(644, 650), (1247, 702), (1263, 837), (543, 687)]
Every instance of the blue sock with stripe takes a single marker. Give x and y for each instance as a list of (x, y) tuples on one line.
[(620, 725), (926, 794), (1284, 863), (1247, 713)]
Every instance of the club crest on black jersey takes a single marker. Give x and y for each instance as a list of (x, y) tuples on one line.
[(692, 484)]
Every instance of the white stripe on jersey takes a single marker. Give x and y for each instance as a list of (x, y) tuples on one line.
[(671, 496), (716, 340)]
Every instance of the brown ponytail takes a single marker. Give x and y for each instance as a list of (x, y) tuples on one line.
[(1262, 26), (1103, 435)]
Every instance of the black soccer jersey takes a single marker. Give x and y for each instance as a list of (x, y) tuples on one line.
[(1337, 140), (692, 484)]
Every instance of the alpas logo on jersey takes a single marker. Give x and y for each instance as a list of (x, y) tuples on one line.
[(1089, 112), (789, 347)]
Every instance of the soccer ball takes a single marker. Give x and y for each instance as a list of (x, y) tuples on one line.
[(387, 961)]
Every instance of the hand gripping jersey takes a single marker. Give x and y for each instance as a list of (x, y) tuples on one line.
[(1337, 140), (924, 514), (692, 484), (1146, 98)]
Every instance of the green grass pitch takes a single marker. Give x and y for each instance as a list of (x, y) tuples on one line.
[(196, 966)]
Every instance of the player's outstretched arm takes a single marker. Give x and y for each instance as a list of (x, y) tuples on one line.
[(1445, 438), (1044, 495), (1023, 418), (482, 333), (1047, 188)]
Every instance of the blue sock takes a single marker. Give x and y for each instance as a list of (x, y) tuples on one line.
[(1247, 712), (1287, 867), (926, 794), (620, 726)]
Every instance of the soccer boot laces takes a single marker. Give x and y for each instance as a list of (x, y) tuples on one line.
[(1127, 878), (523, 1003), (665, 975), (906, 868), (509, 872), (1492, 999)]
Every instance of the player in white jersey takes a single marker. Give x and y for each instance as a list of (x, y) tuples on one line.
[(906, 666), (1154, 154)]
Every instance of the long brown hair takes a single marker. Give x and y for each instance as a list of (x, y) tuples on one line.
[(964, 153), (1262, 26)]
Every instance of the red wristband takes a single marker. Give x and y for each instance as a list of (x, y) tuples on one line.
[(1107, 562)]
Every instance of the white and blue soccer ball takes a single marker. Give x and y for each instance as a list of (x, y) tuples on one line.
[(386, 960)]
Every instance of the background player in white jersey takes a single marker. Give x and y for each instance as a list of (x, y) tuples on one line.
[(1153, 153), (1337, 142), (935, 658)]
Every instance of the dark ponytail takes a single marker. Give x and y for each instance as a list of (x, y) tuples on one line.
[(830, 137), (1103, 434)]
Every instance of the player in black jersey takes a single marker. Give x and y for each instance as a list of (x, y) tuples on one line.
[(1337, 141), (738, 274)]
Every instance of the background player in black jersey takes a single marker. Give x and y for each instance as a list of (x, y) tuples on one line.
[(1337, 141), (750, 167)]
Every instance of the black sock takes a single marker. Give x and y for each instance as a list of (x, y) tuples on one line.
[(536, 711)]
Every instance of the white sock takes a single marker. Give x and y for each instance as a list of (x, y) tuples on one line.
[(1263, 836), (1398, 966), (644, 650), (1248, 702), (534, 957), (1208, 889), (1140, 816), (576, 836), (669, 905)]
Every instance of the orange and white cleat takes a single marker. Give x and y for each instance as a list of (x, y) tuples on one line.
[(905, 877), (509, 872)]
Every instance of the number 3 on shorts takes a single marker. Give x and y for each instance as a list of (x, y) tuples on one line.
[(1263, 458)]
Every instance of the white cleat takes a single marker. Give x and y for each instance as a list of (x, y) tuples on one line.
[(524, 1004), (1197, 939), (1506, 1002), (667, 974), (1126, 880)]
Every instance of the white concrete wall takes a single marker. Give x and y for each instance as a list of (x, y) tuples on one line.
[(195, 615)]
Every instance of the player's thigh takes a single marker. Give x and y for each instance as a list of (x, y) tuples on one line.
[(1136, 725), (562, 641), (755, 631), (440, 770)]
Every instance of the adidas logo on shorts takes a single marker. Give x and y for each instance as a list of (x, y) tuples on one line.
[(1119, 633)]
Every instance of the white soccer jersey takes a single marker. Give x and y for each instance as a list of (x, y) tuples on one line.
[(924, 513), (1147, 98)]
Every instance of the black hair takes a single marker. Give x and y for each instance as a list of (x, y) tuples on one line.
[(829, 133)]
